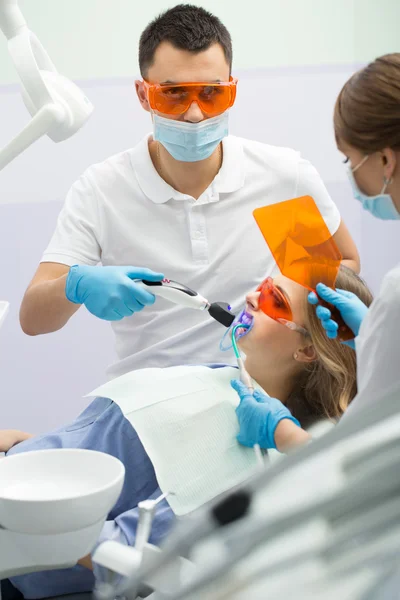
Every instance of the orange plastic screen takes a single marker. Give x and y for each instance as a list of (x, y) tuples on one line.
[(302, 246), (300, 241)]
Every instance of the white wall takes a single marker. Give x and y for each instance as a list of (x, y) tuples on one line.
[(99, 38), (293, 55)]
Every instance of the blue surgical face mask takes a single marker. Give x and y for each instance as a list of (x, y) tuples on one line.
[(190, 142), (381, 206)]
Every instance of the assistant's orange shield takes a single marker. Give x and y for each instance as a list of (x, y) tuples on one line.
[(302, 246)]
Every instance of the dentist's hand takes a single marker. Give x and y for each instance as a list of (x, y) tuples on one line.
[(259, 416), (109, 292), (351, 308)]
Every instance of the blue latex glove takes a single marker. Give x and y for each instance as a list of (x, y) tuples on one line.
[(109, 292), (349, 305), (259, 416)]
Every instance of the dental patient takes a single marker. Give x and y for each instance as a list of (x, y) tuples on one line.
[(306, 377), (312, 377)]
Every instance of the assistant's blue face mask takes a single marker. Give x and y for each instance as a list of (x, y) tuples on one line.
[(381, 206), (190, 142)]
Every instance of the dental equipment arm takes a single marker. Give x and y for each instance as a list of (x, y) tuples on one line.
[(147, 511), (132, 529), (57, 106)]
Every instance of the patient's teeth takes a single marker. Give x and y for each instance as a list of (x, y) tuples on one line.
[(246, 318)]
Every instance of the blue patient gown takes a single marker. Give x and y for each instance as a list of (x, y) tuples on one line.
[(101, 427)]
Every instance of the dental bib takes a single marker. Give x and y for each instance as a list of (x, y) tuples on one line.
[(185, 418)]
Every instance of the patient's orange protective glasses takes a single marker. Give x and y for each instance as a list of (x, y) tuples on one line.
[(273, 302), (175, 98)]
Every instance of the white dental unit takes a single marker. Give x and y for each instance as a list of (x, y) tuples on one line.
[(57, 106), (321, 523)]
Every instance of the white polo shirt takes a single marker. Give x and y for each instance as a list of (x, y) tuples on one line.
[(121, 212)]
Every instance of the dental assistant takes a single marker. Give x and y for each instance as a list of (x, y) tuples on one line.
[(179, 203), (367, 130)]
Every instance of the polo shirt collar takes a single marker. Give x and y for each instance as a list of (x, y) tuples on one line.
[(230, 178), (151, 184)]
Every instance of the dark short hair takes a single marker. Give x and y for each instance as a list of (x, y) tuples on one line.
[(186, 27)]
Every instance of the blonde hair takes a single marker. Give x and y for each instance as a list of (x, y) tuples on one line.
[(327, 385), (367, 111)]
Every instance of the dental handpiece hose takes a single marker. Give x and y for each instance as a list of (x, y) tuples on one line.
[(248, 382), (244, 376)]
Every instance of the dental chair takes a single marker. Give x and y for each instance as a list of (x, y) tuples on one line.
[(322, 523)]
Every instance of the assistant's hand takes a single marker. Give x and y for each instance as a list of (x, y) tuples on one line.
[(109, 292), (351, 308), (259, 416)]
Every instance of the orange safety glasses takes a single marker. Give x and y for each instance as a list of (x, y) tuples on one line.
[(303, 247), (175, 99), (274, 304)]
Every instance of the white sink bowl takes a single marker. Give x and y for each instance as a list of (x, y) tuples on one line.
[(58, 491)]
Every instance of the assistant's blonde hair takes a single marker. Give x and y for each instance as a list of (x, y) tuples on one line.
[(327, 385)]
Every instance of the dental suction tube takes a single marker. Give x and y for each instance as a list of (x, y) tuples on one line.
[(57, 106)]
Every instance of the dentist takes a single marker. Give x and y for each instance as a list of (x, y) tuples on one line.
[(179, 203)]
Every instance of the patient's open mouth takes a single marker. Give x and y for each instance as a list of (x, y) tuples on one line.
[(240, 330), (243, 318), (247, 320)]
